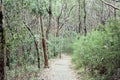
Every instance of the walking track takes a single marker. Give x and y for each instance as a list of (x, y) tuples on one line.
[(60, 69)]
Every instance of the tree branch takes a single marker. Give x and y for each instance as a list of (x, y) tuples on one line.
[(60, 12), (71, 10), (113, 6), (66, 18)]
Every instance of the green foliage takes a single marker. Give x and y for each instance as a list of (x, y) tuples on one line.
[(39, 7), (54, 45), (99, 51), (20, 46), (69, 37)]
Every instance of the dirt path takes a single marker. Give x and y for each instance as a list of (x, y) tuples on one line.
[(60, 69)]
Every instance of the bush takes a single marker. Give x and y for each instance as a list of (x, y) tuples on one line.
[(99, 51)]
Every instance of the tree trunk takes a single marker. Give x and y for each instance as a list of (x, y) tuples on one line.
[(2, 46), (54, 51), (56, 35), (115, 11), (79, 17), (38, 55), (49, 26), (102, 18), (50, 19), (8, 57), (54, 48), (85, 28), (36, 45), (44, 45)]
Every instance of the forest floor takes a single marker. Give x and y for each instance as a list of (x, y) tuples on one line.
[(60, 69)]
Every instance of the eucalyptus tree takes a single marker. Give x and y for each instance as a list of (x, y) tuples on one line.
[(42, 11)]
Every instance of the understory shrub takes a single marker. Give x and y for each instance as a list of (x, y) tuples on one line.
[(99, 52)]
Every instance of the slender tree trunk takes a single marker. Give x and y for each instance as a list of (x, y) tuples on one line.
[(60, 51), (115, 11), (8, 52), (113, 6), (50, 19), (38, 55), (79, 17), (85, 28), (8, 57), (54, 48), (56, 35), (36, 45), (2, 46), (102, 18), (44, 45), (49, 26)]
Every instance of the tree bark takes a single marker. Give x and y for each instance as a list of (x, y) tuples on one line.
[(79, 17), (85, 28), (49, 26), (8, 58), (102, 18), (113, 6), (44, 45), (115, 11), (50, 19), (36, 45), (2, 46)]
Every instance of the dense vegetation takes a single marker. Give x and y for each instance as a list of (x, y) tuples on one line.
[(99, 52), (32, 32)]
